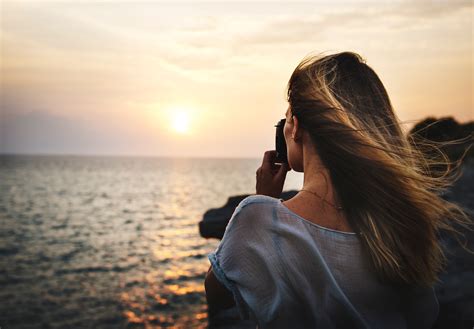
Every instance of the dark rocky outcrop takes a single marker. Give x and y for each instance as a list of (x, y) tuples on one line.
[(459, 135), (455, 289)]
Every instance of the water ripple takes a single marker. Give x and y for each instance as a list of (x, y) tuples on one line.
[(97, 242)]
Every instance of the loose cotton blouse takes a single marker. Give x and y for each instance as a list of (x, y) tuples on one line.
[(287, 272)]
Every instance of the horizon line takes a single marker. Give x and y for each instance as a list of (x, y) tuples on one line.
[(96, 155)]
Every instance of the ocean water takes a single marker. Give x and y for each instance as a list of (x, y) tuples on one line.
[(110, 242)]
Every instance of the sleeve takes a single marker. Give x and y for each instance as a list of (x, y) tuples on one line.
[(246, 264)]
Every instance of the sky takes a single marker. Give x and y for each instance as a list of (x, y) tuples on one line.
[(208, 79)]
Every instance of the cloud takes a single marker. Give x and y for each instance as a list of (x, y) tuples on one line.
[(44, 27), (205, 37), (312, 27)]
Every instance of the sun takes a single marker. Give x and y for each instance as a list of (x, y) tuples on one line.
[(180, 121)]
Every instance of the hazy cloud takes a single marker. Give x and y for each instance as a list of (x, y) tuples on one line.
[(38, 131)]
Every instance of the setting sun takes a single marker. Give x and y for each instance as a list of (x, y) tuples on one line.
[(180, 121)]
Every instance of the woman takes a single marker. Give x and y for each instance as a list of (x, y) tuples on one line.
[(357, 247)]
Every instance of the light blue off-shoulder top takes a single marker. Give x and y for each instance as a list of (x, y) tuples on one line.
[(287, 272)]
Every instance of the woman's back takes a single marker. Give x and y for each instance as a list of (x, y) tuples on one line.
[(288, 272)]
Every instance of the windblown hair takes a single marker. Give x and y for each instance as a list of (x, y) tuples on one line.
[(386, 184)]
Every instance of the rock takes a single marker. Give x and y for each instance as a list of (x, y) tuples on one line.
[(445, 129), (455, 289), (215, 220)]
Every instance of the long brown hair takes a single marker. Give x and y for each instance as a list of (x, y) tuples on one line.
[(386, 184)]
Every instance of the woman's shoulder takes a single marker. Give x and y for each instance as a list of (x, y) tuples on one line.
[(256, 199), (253, 207), (256, 202)]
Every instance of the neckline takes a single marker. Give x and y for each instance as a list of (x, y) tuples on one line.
[(280, 202)]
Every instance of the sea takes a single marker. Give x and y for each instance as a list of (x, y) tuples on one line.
[(111, 242)]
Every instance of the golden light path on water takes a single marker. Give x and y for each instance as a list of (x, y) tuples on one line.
[(150, 307), (110, 242)]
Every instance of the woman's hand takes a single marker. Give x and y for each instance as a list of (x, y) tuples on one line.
[(271, 176)]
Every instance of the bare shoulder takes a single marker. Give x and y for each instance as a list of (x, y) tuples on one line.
[(259, 199), (254, 208), (322, 216), (255, 202)]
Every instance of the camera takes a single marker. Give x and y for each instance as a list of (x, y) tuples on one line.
[(280, 143)]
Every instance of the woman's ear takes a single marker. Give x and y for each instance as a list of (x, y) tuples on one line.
[(296, 132)]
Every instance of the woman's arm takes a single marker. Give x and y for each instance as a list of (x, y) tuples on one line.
[(217, 295)]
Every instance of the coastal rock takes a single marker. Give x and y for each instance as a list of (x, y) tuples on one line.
[(455, 289), (459, 135)]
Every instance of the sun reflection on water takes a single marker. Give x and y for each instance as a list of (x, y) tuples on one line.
[(114, 239)]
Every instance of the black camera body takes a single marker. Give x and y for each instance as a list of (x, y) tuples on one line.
[(280, 143)]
